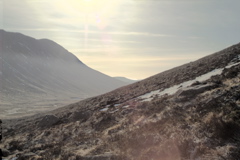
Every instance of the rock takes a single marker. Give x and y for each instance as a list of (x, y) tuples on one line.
[(48, 121), (26, 156), (80, 116), (5, 152), (217, 79), (196, 83), (231, 72), (105, 123), (190, 92)]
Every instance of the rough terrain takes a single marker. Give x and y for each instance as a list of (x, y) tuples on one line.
[(198, 121)]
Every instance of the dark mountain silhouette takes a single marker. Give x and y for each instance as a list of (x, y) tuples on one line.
[(188, 112), (38, 74)]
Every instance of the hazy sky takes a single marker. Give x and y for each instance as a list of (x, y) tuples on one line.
[(131, 38)]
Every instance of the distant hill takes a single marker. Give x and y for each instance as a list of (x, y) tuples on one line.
[(40, 74), (126, 80)]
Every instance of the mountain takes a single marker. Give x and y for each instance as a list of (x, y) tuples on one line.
[(126, 80), (38, 75), (189, 112)]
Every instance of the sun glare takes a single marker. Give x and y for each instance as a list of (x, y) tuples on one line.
[(97, 11)]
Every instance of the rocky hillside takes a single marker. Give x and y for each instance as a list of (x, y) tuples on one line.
[(38, 75), (187, 113)]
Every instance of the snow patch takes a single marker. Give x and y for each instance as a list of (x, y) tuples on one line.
[(229, 66), (209, 75), (125, 106), (104, 109), (172, 90), (116, 105), (114, 111)]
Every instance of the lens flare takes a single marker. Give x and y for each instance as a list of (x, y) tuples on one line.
[(91, 13)]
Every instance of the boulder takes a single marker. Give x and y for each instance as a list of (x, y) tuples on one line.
[(5, 153), (48, 121), (80, 116), (26, 156), (190, 92)]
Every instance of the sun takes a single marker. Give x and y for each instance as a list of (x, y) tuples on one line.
[(91, 6), (97, 12)]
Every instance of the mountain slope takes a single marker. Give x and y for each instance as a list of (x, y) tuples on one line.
[(126, 80), (188, 112), (36, 74)]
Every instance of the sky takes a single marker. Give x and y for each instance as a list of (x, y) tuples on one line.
[(129, 38)]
